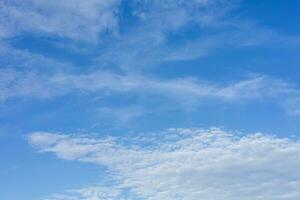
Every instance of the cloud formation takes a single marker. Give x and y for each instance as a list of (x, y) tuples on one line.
[(76, 20), (89, 193), (186, 91), (187, 164), (117, 42), (87, 20)]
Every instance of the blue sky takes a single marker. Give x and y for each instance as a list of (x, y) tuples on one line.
[(151, 100)]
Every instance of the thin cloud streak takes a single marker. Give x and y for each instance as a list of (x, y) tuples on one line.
[(187, 91), (75, 20)]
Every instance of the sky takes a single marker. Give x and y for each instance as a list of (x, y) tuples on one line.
[(149, 100)]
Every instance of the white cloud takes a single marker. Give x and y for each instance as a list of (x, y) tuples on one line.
[(186, 91), (122, 114), (15, 83), (163, 33), (19, 59), (89, 193), (86, 20), (73, 19), (142, 45), (146, 43), (189, 164)]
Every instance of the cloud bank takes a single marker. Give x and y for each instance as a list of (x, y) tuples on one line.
[(189, 164)]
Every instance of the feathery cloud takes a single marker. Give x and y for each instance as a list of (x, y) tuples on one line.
[(187, 91), (76, 20)]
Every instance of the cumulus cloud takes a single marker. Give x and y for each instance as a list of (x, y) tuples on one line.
[(188, 164)]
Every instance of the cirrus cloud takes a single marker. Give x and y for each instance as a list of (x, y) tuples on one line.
[(77, 20), (187, 91)]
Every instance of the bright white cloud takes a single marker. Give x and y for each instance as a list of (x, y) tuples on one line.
[(189, 164)]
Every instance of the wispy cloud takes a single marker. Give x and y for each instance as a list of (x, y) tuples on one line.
[(87, 20), (149, 41), (122, 114), (187, 91), (19, 60), (188, 164), (26, 84), (126, 39), (152, 40), (76, 20), (89, 193)]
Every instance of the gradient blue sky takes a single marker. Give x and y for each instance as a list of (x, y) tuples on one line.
[(83, 83)]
